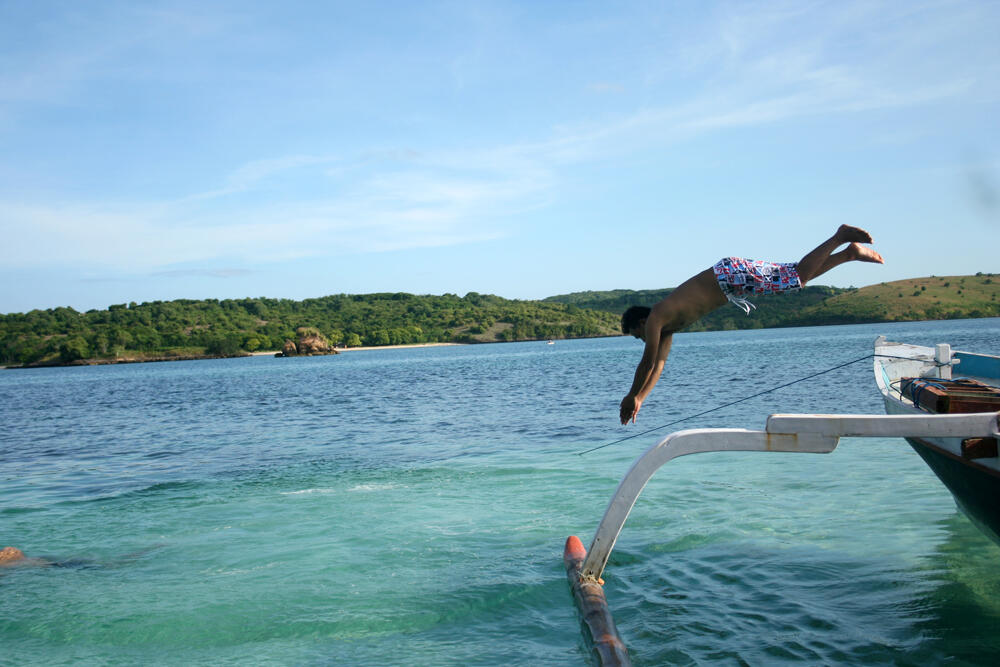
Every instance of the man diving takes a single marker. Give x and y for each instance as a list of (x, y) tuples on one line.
[(731, 279)]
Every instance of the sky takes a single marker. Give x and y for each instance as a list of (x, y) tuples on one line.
[(164, 150)]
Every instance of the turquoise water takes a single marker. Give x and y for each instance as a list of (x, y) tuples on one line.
[(401, 507)]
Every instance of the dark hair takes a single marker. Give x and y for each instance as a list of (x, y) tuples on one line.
[(631, 317)]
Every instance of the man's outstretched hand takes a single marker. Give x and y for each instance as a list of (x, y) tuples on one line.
[(629, 409)]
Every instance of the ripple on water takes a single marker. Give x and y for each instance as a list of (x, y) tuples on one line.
[(407, 507), (756, 605)]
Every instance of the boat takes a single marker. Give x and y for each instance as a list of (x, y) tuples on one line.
[(952, 422), (916, 380)]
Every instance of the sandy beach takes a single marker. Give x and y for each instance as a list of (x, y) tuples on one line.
[(363, 348), (395, 347)]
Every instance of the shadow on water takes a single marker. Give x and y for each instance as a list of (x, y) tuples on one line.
[(735, 601), (78, 562), (964, 604)]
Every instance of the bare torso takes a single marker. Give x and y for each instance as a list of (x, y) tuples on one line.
[(692, 300)]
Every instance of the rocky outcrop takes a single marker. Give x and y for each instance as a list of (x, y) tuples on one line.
[(310, 343)]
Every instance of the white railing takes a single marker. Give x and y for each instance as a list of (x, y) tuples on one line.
[(811, 434)]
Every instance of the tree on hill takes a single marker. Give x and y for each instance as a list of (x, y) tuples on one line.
[(186, 328), (191, 328), (819, 305)]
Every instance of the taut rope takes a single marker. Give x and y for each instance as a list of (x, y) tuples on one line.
[(741, 400)]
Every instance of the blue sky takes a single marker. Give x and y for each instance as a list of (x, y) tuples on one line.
[(163, 150)]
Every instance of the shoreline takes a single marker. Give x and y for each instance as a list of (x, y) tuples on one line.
[(364, 348), (271, 353), (396, 347)]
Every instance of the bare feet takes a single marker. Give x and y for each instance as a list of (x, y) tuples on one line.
[(863, 254), (848, 234)]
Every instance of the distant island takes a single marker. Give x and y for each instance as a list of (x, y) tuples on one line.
[(210, 328)]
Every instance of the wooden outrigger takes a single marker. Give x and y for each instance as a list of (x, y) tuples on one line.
[(589, 595), (805, 433)]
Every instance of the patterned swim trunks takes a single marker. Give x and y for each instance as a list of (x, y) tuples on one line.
[(739, 278)]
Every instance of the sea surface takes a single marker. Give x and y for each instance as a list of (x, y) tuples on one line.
[(409, 507)]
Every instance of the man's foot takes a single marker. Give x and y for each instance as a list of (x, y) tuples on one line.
[(863, 254), (848, 234)]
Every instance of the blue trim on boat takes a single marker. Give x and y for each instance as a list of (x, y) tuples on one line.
[(978, 365)]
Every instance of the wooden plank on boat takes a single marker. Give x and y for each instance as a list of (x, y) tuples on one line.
[(951, 396), (979, 448), (589, 596)]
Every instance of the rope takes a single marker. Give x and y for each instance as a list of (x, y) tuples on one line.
[(741, 400), (917, 387)]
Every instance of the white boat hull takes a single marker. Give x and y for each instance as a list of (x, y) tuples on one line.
[(973, 482)]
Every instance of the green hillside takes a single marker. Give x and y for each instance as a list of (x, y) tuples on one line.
[(772, 310), (191, 329), (195, 329), (931, 298)]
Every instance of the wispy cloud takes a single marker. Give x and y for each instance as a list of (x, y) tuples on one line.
[(204, 273), (606, 87), (51, 59), (752, 66), (434, 201)]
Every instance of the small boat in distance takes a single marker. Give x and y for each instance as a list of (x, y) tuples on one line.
[(916, 380)]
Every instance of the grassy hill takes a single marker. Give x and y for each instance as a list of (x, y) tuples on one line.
[(195, 329), (931, 298)]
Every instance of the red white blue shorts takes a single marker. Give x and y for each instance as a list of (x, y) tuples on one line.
[(739, 278)]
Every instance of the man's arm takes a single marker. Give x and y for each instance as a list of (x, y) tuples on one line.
[(694, 298), (654, 355), (661, 360)]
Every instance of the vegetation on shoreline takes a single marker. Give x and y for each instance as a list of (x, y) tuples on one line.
[(189, 329)]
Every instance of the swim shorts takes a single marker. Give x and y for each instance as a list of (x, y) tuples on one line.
[(739, 278)]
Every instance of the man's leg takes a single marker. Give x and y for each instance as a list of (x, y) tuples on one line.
[(822, 258)]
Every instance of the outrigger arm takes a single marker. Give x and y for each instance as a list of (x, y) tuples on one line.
[(807, 433), (810, 434)]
